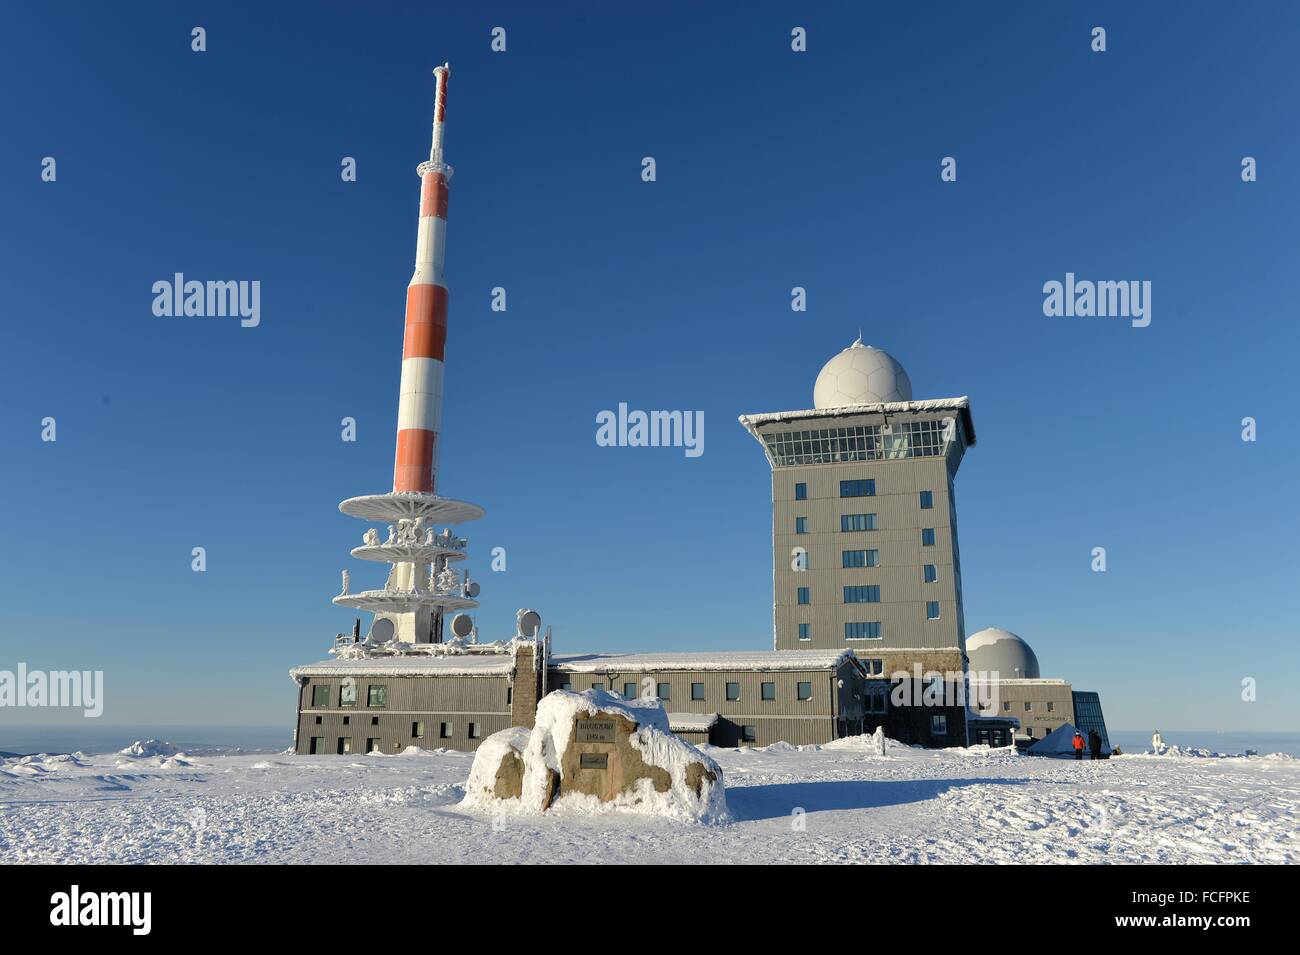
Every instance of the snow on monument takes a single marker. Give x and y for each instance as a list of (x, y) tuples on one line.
[(595, 752)]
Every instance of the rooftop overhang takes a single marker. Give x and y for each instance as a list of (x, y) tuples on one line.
[(960, 406)]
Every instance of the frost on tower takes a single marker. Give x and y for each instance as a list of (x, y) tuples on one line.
[(423, 585)]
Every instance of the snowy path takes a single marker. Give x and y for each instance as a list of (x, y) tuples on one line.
[(911, 806)]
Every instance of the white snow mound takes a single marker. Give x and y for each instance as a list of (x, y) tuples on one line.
[(150, 747)]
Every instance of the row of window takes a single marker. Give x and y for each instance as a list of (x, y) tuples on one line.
[(376, 695), (852, 559), (865, 487), (1029, 706), (851, 523), (767, 691), (865, 594), (343, 744), (869, 629), (907, 439)]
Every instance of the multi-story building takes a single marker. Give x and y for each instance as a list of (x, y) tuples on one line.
[(864, 532)]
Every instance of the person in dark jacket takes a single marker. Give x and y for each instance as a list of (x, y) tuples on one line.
[(1094, 743)]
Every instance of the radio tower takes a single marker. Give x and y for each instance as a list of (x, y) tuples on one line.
[(422, 585)]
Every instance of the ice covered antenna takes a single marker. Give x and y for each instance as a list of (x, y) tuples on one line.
[(439, 111)]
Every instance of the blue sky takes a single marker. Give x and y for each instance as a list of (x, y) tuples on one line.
[(775, 169)]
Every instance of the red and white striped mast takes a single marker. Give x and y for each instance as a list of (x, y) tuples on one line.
[(419, 410), (422, 586)]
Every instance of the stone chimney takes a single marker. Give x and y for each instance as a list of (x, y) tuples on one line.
[(527, 683)]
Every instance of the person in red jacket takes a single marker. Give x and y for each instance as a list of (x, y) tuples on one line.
[(1078, 745)]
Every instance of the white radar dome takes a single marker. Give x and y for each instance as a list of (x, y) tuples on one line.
[(861, 375)]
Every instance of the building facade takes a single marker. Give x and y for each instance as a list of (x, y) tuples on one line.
[(865, 552), (457, 697), (1006, 681), (747, 698)]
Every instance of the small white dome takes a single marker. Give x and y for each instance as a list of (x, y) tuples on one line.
[(861, 375), (995, 650)]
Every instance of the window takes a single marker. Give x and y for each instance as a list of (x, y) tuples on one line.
[(347, 720), (598, 686), (927, 500), (372, 744), (1051, 707), (629, 691), (748, 733), (378, 696), (801, 492), (345, 745), (417, 730), (939, 724), (664, 691), (473, 731), (877, 702), (320, 696), (1028, 706), (801, 525), (510, 695), (907, 439), (769, 691), (860, 558), (875, 666), (857, 522), (733, 691), (927, 536), (317, 745), (932, 610), (805, 691), (931, 573), (862, 631), (804, 595), (318, 721), (805, 631), (444, 731), (1006, 706), (862, 488), (566, 686), (697, 691), (374, 721), (862, 594), (348, 692)]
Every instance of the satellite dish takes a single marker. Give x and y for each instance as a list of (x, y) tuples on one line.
[(462, 625), (529, 622), (473, 589), (382, 630)]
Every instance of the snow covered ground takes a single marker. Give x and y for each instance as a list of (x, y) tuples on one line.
[(953, 806)]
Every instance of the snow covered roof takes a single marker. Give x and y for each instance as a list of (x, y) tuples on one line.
[(691, 722), (753, 421), (723, 660), (463, 664)]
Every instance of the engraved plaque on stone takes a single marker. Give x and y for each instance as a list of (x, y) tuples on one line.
[(595, 731), (593, 761)]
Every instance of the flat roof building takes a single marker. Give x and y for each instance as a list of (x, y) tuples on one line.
[(1006, 681)]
